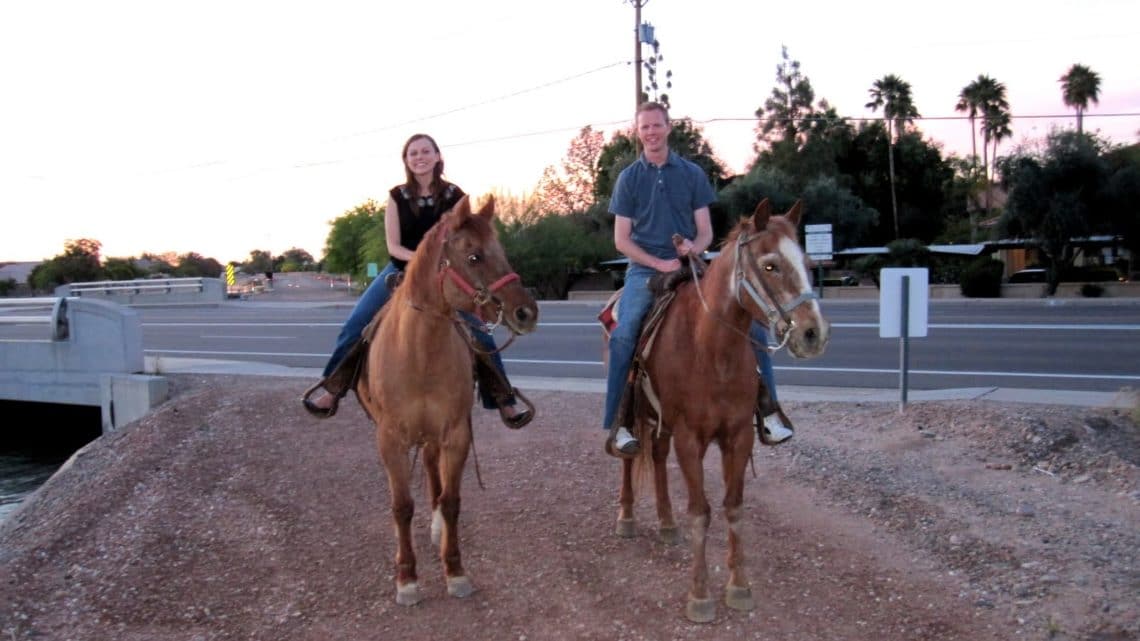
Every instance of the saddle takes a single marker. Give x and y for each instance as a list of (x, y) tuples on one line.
[(639, 387)]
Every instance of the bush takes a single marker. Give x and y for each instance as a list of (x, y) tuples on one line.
[(1092, 290), (982, 278)]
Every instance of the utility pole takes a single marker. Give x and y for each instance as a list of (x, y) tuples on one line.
[(637, 5)]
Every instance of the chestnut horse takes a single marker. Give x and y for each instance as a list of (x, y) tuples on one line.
[(703, 371), (417, 383)]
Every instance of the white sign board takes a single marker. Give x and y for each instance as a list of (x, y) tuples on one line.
[(817, 241), (890, 301)]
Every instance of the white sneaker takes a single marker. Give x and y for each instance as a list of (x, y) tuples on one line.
[(774, 431), (625, 442)]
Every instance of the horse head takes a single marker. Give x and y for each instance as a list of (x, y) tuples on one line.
[(771, 274), (474, 273)]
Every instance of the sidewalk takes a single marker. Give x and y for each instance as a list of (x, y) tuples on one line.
[(801, 393)]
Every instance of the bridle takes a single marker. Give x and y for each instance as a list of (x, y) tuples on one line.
[(742, 260), (481, 296)]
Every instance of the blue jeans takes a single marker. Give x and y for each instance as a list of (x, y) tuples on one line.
[(636, 299), (759, 334), (365, 309)]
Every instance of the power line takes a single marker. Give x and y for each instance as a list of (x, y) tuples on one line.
[(483, 102)]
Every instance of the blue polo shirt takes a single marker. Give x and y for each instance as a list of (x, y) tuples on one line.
[(660, 201)]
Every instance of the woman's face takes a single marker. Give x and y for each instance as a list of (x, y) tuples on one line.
[(421, 158)]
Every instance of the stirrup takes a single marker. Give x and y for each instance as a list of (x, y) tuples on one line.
[(524, 416), (312, 408), (611, 447), (767, 436)]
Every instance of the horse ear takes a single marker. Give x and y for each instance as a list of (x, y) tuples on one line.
[(795, 212), (487, 211), (460, 212), (760, 216)]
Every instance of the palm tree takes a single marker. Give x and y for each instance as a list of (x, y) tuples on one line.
[(969, 101), (995, 128), (893, 94), (1080, 86), (985, 96)]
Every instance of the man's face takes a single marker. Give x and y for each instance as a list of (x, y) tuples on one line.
[(652, 130)]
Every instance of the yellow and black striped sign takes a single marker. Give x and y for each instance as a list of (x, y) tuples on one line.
[(230, 275)]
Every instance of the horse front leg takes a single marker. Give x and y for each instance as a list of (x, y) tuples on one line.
[(626, 527), (690, 455), (734, 454), (396, 464), (453, 456), (666, 525), (434, 489)]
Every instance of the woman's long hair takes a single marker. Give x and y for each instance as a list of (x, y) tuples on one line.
[(412, 185)]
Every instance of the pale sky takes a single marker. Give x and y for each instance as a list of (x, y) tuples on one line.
[(220, 127)]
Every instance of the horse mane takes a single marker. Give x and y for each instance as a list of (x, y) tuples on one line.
[(425, 260)]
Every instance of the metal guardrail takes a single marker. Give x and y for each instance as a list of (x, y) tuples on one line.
[(140, 286), (57, 319)]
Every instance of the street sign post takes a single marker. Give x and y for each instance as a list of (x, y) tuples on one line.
[(903, 310), (817, 243)]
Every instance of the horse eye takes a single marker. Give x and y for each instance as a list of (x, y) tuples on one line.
[(474, 258), (770, 268)]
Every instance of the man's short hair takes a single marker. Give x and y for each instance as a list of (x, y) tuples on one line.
[(652, 106)]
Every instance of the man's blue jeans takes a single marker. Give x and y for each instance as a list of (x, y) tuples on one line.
[(636, 299), (365, 309)]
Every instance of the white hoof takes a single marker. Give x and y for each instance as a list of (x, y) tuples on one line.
[(459, 586), (408, 594)]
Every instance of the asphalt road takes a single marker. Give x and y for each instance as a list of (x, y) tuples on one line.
[(1071, 345)]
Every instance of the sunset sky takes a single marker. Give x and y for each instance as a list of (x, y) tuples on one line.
[(220, 127)]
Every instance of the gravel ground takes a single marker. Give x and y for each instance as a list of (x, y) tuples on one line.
[(228, 513)]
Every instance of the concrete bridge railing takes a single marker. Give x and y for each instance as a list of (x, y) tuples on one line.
[(149, 290), (76, 351)]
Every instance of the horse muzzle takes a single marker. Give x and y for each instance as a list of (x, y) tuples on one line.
[(808, 337)]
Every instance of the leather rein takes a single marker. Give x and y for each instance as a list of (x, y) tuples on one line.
[(773, 311), (480, 296)]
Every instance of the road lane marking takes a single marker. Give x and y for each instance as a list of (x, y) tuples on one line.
[(845, 370)]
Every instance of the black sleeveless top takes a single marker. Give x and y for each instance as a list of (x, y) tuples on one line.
[(414, 226)]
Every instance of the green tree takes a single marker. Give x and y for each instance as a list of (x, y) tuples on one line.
[(79, 263), (347, 245), (893, 94), (783, 117), (553, 251), (1079, 86), (194, 265), (260, 261), (852, 221), (571, 189), (122, 269), (295, 259), (1056, 196), (921, 181)]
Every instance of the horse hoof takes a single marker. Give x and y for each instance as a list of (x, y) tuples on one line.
[(739, 598), (670, 535), (408, 594), (700, 610), (626, 528), (459, 586)]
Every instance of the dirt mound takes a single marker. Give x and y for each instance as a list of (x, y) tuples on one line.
[(228, 513)]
